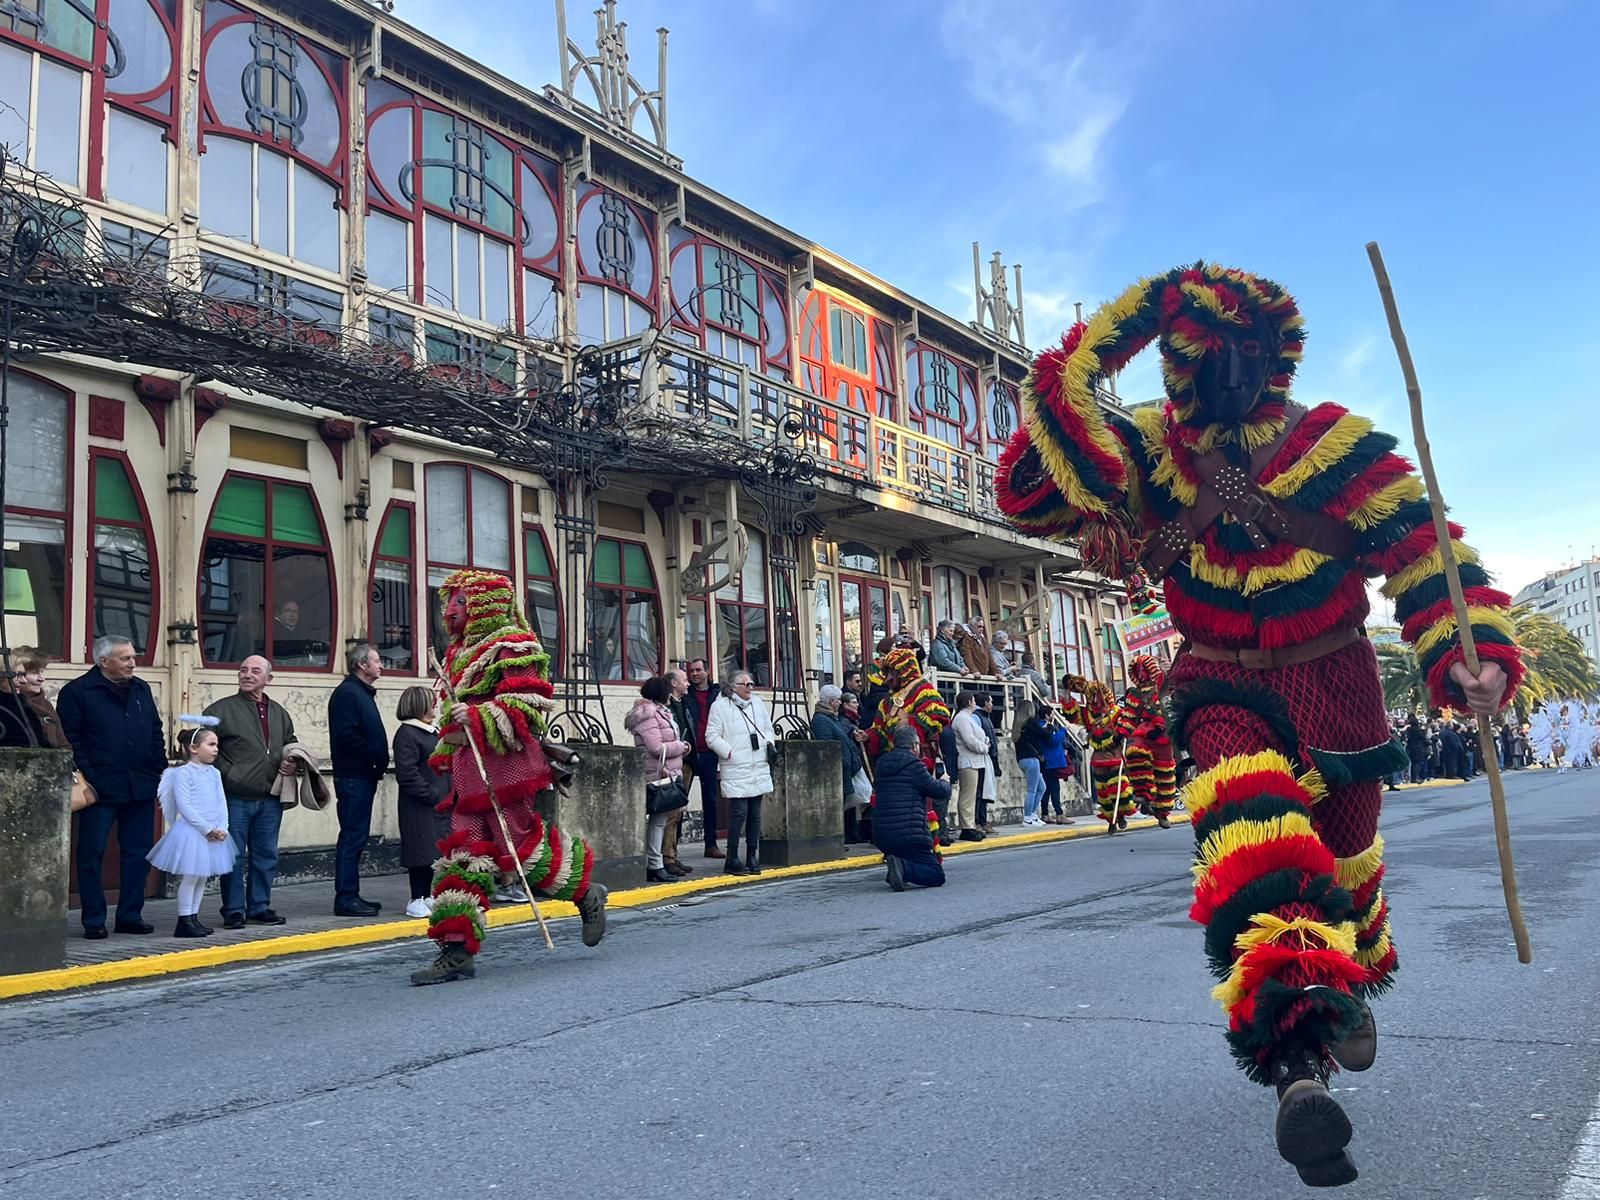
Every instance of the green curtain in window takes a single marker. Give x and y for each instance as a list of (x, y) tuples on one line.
[(607, 561), (638, 567), (294, 516), (242, 508), (19, 590), (533, 553), (113, 494), (396, 534)]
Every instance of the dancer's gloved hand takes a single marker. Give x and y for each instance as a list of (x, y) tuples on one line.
[(1484, 693)]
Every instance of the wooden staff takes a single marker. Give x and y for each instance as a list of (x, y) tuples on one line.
[(1452, 574), (505, 829)]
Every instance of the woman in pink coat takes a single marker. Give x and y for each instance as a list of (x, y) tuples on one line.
[(650, 721)]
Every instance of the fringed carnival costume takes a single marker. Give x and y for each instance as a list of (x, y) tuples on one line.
[(496, 668), (1263, 521), (1152, 767), (1101, 718), (911, 700)]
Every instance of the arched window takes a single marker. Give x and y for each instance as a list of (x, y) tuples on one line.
[(733, 308), (616, 266), (1002, 415), (458, 217), (392, 600), (822, 630), (469, 525), (847, 355), (123, 594), (742, 630), (273, 138), (104, 112), (36, 515), (950, 595), (266, 585), (1066, 650), (623, 612), (543, 597), (943, 397)]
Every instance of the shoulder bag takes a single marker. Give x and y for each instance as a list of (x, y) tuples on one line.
[(665, 795)]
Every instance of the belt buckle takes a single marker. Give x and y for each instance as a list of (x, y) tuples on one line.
[(1255, 660)]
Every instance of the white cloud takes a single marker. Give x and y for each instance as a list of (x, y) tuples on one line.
[(1064, 106), (1354, 360)]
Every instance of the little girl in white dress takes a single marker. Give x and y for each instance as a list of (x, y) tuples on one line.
[(196, 844)]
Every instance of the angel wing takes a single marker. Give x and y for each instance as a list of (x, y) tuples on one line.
[(1542, 734)]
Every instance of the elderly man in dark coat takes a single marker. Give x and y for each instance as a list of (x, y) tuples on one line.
[(900, 819), (828, 725)]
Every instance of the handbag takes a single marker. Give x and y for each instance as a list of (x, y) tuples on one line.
[(665, 795), (83, 793)]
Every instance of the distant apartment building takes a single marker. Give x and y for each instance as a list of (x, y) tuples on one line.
[(1570, 596)]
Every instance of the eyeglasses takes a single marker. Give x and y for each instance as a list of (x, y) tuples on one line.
[(744, 683)]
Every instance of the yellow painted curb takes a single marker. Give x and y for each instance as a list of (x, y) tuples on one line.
[(154, 965)]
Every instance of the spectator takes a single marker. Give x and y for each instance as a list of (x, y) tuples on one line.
[(34, 722), (1030, 736), (1056, 766), (1031, 673), (1451, 753), (944, 654), (854, 683), (1417, 748), (850, 712), (195, 845), (1000, 653), (420, 790), (950, 758), (740, 731), (900, 827), (972, 759), (989, 785), (697, 704), (360, 757), (828, 726), (877, 684), (1508, 746), (252, 731), (109, 717), (678, 681), (654, 730)]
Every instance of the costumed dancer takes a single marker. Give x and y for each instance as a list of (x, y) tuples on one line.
[(1100, 717), (1152, 767), (911, 700), (1263, 522), (497, 691), (194, 812)]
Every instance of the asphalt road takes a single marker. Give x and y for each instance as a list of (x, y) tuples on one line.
[(1038, 1028)]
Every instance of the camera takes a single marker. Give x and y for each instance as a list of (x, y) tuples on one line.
[(755, 741)]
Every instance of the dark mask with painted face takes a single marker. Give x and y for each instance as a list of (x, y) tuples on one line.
[(1233, 376)]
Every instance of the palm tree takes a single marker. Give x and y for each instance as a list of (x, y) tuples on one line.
[(1558, 666), (1403, 684)]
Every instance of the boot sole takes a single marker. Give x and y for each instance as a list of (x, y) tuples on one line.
[(594, 930), (1356, 1054), (449, 977), (1312, 1133)]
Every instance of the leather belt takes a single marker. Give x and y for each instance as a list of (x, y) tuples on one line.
[(1283, 656)]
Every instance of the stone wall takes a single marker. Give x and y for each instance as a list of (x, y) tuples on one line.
[(803, 820), (35, 829), (606, 808)]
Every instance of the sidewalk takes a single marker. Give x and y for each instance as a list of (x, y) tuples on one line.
[(312, 926)]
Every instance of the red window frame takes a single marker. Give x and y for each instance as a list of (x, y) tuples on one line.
[(999, 391), (68, 550), (624, 589), (267, 589), (698, 324), (151, 549), (742, 605), (337, 169), (410, 563), (592, 192), (102, 91), (542, 169), (556, 651)]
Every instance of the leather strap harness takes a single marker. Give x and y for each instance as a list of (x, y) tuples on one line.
[(1227, 487)]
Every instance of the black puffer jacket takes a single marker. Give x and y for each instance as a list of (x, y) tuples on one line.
[(900, 811)]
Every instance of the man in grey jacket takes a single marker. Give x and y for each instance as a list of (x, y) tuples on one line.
[(254, 730)]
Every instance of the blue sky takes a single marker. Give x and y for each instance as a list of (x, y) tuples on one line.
[(1098, 143)]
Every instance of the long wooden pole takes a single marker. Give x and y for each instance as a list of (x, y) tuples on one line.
[(505, 829), (1452, 572)]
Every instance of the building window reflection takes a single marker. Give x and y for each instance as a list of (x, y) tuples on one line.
[(122, 579)]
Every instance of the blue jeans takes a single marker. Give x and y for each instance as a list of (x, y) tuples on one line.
[(1035, 789), (136, 833), (922, 870), (354, 806), (253, 825)]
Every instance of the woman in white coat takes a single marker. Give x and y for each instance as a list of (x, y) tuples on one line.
[(972, 760), (739, 732)]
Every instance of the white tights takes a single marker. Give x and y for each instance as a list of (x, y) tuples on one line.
[(190, 890)]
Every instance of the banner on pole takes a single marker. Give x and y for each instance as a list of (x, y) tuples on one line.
[(1142, 632)]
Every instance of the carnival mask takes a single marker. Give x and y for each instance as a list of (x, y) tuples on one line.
[(1234, 372)]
